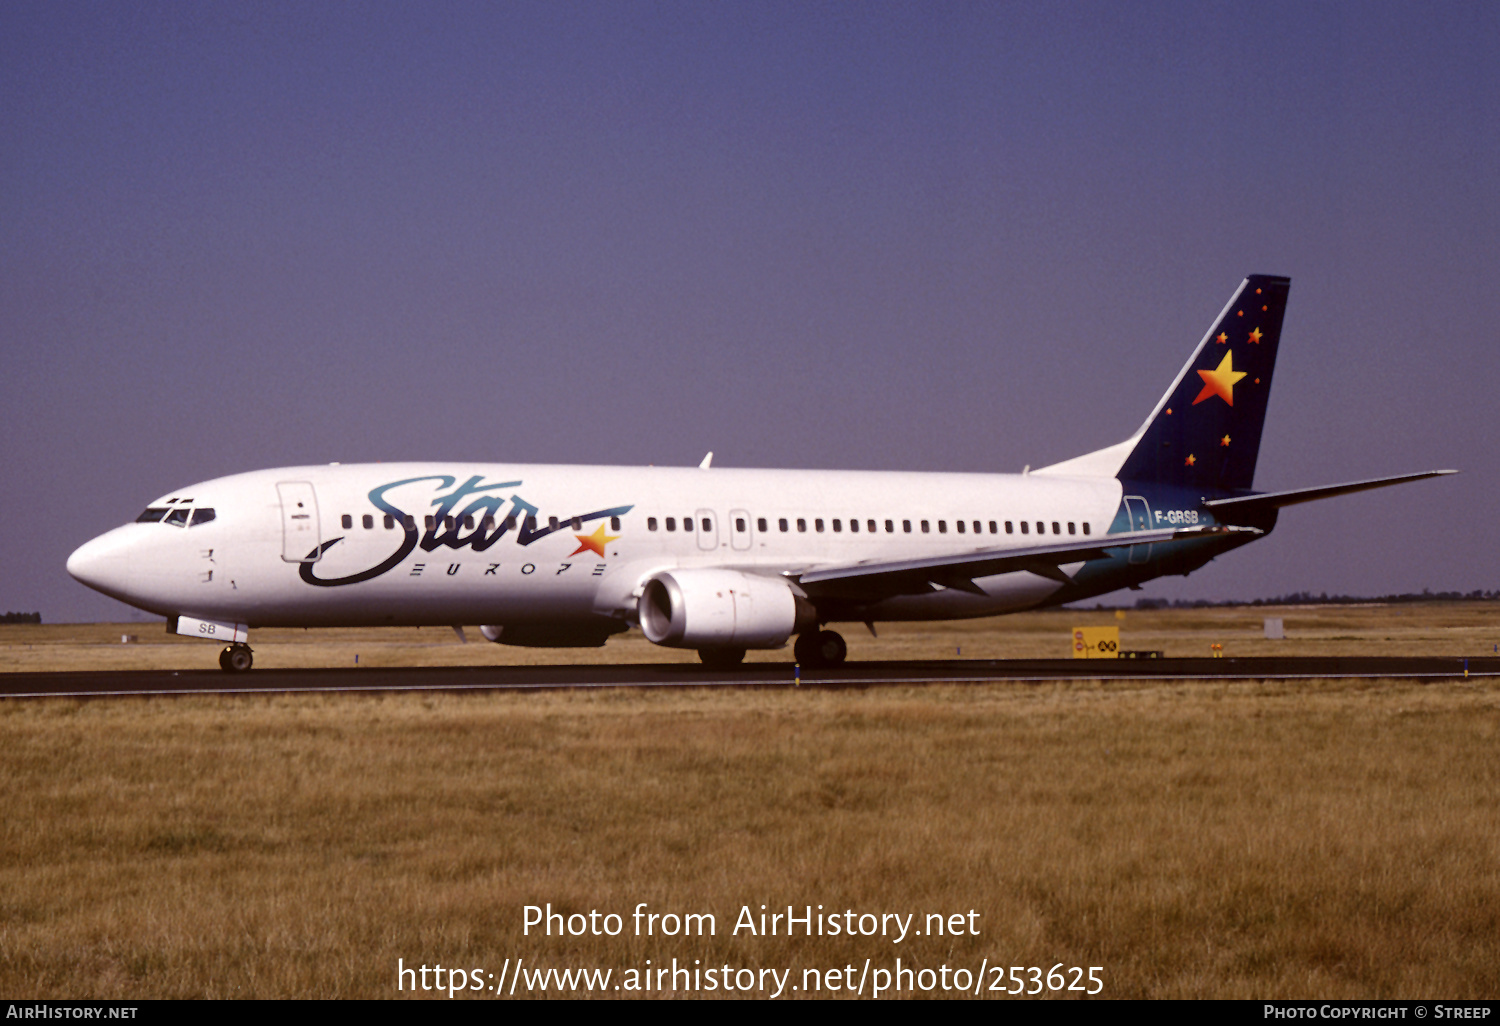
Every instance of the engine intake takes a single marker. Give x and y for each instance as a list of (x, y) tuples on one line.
[(707, 608)]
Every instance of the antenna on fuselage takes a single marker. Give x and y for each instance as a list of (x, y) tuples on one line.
[(706, 460)]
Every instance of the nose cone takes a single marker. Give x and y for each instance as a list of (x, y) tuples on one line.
[(103, 565)]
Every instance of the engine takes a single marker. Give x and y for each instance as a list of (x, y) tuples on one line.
[(706, 608)]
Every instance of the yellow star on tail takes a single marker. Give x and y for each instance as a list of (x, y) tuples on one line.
[(1220, 381), (593, 542)]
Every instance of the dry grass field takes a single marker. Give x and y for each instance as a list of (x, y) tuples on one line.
[(1333, 839), (1454, 629)]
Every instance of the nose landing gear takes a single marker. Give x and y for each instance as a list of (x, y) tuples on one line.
[(236, 659)]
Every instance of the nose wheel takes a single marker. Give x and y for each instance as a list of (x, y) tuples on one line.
[(236, 659)]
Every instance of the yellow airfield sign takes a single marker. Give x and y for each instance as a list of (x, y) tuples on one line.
[(1096, 642)]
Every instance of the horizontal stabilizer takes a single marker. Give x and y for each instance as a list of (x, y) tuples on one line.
[(915, 576), (1250, 504)]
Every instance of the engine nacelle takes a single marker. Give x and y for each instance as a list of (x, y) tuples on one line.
[(706, 608)]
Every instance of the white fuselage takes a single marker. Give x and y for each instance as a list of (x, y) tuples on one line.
[(263, 561)]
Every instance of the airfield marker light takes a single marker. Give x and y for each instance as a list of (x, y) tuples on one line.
[(796, 675)]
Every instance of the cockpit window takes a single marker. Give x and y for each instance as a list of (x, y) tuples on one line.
[(179, 516), (151, 515), (202, 515)]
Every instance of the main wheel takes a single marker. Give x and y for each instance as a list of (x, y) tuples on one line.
[(721, 658), (236, 659), (820, 648)]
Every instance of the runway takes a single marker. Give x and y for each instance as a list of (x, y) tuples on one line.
[(862, 674)]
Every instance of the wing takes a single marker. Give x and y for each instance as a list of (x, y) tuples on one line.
[(873, 581)]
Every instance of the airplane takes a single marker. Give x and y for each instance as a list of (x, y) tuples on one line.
[(714, 559)]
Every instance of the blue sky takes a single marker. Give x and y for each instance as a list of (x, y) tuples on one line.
[(937, 236)]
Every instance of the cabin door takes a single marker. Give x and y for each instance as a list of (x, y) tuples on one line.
[(301, 539), (1140, 520)]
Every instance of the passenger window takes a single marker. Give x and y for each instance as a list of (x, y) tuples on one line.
[(942, 527), (782, 524), (890, 527), (854, 526), (925, 528), (671, 523), (960, 526), (408, 522), (347, 521), (838, 525), (151, 515), (993, 527), (818, 524), (1010, 528), (650, 523), (1085, 527), (1072, 528), (870, 526), (1056, 527), (448, 523), (487, 524), (614, 523), (906, 527), (510, 523), (428, 521), (368, 521), (708, 525), (178, 517), (739, 525), (552, 523), (1041, 528), (976, 527), (469, 522), (760, 524), (1025, 527), (529, 524), (801, 524), (577, 524), (202, 516)]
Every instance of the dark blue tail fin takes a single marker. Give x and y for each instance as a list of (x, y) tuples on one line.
[(1205, 432)]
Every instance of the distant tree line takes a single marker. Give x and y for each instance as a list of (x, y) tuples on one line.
[(21, 618), (1307, 598)]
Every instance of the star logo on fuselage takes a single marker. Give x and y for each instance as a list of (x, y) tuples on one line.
[(1220, 381), (593, 542)]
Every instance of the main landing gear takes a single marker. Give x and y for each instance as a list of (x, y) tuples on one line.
[(721, 658), (236, 659), (820, 648)]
